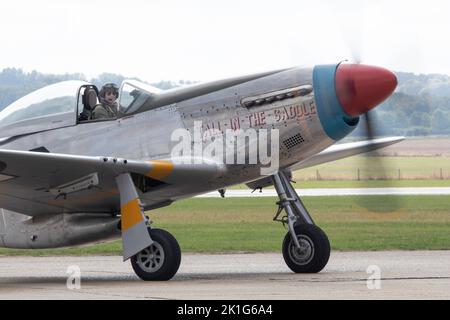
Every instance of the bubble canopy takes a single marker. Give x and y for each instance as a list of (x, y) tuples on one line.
[(55, 99), (59, 105)]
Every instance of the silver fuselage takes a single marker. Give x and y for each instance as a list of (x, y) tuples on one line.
[(147, 135)]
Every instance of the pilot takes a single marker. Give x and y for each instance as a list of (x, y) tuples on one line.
[(108, 106)]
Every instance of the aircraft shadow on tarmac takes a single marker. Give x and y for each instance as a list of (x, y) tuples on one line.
[(187, 277)]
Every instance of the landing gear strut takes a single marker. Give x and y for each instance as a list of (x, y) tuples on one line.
[(306, 248), (154, 253)]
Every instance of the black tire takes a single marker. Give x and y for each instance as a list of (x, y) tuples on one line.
[(164, 263), (315, 253)]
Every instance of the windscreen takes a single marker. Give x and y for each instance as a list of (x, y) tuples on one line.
[(134, 94)]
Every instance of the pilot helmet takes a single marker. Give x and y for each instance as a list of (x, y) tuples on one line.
[(109, 87)]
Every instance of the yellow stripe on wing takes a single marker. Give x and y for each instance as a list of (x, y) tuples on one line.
[(161, 169)]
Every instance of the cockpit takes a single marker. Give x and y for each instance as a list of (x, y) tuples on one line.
[(132, 96), (67, 103)]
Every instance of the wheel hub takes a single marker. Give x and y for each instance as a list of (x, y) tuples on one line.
[(305, 253), (151, 258)]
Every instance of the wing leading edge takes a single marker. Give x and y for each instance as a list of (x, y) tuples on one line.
[(35, 183)]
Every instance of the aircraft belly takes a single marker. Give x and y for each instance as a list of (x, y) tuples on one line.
[(53, 231)]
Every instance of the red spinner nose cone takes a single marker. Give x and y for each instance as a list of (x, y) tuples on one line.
[(360, 88)]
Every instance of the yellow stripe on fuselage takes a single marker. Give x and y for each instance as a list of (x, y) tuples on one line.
[(131, 214), (161, 169)]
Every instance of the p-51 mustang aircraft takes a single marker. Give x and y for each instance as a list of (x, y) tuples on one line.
[(66, 181)]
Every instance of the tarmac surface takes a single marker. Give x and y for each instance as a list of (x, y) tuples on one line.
[(348, 275), (320, 192)]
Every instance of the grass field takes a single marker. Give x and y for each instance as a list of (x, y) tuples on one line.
[(312, 184), (375, 168), (244, 224), (417, 171)]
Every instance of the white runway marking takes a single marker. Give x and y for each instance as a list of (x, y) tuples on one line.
[(335, 192)]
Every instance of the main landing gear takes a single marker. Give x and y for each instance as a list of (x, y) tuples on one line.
[(154, 253), (306, 248), (156, 256), (161, 260)]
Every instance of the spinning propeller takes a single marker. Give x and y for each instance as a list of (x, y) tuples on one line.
[(359, 89)]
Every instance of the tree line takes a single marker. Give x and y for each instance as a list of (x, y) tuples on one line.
[(15, 83)]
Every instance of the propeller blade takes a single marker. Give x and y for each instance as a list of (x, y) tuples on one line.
[(360, 88), (374, 164)]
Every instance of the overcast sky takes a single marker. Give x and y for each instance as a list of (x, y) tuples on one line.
[(206, 40)]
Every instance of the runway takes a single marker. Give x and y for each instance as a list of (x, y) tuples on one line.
[(320, 192), (348, 275)]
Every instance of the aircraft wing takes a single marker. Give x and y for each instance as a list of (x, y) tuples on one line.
[(344, 150), (37, 183)]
